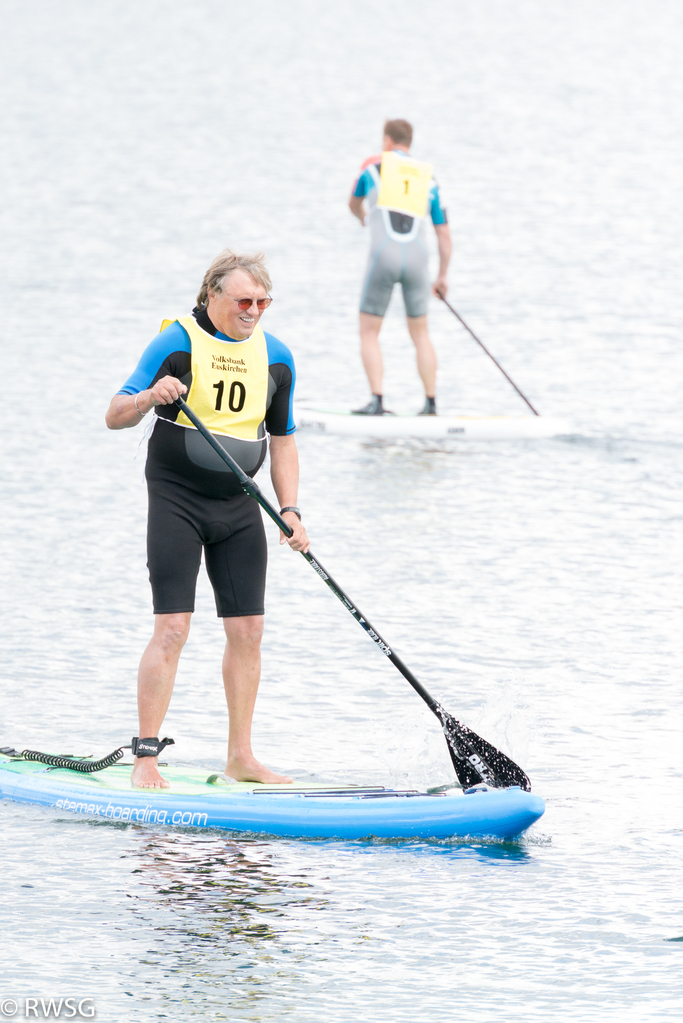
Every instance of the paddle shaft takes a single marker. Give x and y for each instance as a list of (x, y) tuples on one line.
[(491, 357), (251, 488), (474, 759)]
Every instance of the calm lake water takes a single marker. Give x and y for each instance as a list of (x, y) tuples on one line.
[(533, 587)]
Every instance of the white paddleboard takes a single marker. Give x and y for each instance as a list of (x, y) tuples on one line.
[(342, 422)]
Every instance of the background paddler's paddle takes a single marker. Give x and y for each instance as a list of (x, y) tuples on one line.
[(475, 760), (483, 346)]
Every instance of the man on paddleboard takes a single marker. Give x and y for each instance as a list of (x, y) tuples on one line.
[(400, 193), (240, 382)]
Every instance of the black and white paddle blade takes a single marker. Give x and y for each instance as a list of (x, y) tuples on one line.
[(475, 760)]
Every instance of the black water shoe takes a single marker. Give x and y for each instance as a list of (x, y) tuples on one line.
[(373, 408), (430, 407)]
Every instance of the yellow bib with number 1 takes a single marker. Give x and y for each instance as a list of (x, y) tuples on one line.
[(229, 385), (404, 184)]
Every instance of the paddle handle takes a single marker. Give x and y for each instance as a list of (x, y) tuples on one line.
[(491, 357), (252, 488)]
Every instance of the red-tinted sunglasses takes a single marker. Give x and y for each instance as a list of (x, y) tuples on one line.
[(245, 303)]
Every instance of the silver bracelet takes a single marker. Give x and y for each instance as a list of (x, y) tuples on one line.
[(135, 400)]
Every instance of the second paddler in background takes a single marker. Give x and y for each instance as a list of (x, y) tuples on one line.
[(401, 194)]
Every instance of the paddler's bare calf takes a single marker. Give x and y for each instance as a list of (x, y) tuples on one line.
[(240, 382), (241, 674)]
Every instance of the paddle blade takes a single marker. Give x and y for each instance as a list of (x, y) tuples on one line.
[(475, 760)]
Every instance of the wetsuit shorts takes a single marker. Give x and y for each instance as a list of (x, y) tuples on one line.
[(229, 530), (392, 263)]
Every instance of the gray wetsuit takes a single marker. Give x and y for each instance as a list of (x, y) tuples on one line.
[(398, 247)]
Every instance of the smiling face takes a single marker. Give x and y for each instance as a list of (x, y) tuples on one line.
[(225, 313)]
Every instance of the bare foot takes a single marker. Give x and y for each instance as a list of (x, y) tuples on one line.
[(146, 774), (249, 769)]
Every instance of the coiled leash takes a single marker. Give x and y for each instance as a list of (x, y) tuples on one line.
[(140, 747)]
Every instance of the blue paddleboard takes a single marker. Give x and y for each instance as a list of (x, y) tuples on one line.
[(199, 799)]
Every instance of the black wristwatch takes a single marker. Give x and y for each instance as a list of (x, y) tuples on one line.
[(290, 507)]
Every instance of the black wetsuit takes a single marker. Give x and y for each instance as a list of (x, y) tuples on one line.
[(195, 501)]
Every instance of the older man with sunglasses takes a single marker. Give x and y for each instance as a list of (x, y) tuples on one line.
[(240, 381)]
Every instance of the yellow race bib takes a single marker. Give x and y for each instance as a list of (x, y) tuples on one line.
[(229, 385), (404, 184)]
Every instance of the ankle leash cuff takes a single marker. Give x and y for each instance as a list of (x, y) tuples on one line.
[(149, 747)]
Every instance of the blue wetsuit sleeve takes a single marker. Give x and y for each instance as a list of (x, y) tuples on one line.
[(363, 185), (173, 339), (280, 412), (437, 211)]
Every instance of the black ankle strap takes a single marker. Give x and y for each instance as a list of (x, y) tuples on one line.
[(149, 747)]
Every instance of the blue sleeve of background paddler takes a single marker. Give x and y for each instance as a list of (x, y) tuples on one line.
[(173, 339), (363, 185), (435, 208)]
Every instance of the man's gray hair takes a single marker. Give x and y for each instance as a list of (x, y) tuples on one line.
[(252, 263)]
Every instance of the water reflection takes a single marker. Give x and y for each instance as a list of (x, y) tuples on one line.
[(226, 921), (257, 897), (252, 922), (216, 887)]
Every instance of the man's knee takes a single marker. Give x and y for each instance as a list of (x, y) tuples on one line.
[(417, 328), (370, 327), (171, 631), (246, 630)]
